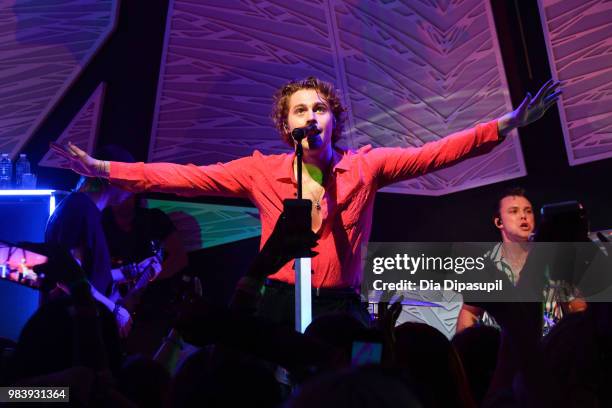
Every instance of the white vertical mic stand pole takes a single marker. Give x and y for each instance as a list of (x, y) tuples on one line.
[(303, 294), (303, 285)]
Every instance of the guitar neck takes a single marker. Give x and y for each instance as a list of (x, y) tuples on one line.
[(144, 279), (144, 272)]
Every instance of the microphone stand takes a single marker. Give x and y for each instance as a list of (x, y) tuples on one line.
[(303, 269)]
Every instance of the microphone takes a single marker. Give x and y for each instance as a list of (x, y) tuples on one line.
[(300, 133)]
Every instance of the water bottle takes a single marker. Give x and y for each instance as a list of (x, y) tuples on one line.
[(22, 166), (6, 171)]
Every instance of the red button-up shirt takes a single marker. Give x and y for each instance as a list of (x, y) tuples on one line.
[(346, 207)]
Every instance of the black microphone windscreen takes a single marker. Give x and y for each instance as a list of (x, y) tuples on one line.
[(298, 134)]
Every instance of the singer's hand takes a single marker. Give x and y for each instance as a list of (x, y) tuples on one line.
[(79, 161), (531, 109)]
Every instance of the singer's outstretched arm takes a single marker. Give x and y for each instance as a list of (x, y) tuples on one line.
[(393, 164), (236, 178), (231, 179)]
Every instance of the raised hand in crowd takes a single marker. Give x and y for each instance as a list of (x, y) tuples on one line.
[(520, 369), (387, 319), (282, 246)]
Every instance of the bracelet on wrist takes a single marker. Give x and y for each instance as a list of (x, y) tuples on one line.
[(102, 168)]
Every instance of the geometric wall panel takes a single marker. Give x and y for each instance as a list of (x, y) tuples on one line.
[(43, 47), (579, 42), (418, 71), (411, 72), (222, 63), (82, 130), (207, 225)]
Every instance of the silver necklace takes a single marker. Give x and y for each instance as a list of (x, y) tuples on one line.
[(318, 201)]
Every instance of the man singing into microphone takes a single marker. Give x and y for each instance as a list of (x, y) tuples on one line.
[(341, 184)]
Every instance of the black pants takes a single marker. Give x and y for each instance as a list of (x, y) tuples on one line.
[(278, 303)]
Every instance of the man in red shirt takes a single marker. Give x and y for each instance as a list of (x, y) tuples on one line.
[(341, 184)]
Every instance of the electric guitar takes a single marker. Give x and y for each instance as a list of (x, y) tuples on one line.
[(137, 276)]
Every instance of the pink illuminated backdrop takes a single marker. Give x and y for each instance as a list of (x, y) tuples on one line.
[(44, 46), (82, 130), (580, 52), (412, 72)]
